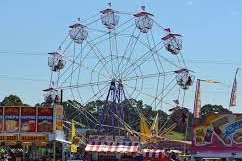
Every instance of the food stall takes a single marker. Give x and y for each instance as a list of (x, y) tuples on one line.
[(31, 132)]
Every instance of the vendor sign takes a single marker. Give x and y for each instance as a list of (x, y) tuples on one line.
[(28, 119), (8, 137), (59, 117), (45, 119), (223, 131), (33, 138), (1, 119), (11, 119)]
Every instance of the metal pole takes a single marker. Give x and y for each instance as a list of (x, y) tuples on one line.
[(23, 152), (54, 130), (54, 150), (62, 151)]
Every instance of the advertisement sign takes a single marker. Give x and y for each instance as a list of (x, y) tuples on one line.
[(59, 117), (28, 119), (45, 119), (1, 118), (11, 119), (223, 131)]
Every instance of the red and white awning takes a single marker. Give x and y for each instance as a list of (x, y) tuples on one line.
[(124, 147), (154, 153)]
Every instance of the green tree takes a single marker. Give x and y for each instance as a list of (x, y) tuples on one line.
[(12, 100), (207, 109)]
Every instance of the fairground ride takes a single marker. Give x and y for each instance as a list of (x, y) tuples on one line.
[(117, 57)]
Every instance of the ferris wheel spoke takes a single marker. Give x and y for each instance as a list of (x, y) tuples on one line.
[(141, 60), (132, 49), (116, 50), (157, 62), (144, 56), (162, 93), (59, 47), (72, 71), (183, 61), (84, 112), (126, 48), (73, 61), (138, 111), (157, 67), (96, 30), (147, 94), (98, 54), (85, 85), (147, 76), (111, 54), (95, 95)]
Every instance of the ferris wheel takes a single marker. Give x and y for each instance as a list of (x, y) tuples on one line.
[(117, 57)]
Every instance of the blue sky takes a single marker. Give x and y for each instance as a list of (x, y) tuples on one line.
[(31, 29)]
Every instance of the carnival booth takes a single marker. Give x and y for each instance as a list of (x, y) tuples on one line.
[(32, 132), (109, 148), (219, 136)]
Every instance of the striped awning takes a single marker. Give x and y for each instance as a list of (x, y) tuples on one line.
[(123, 147), (154, 153)]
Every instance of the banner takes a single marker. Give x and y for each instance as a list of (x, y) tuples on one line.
[(197, 101), (45, 119), (234, 91), (28, 119), (223, 131), (11, 119), (59, 117), (1, 119)]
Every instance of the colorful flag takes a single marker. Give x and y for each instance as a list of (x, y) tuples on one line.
[(144, 129), (197, 102), (73, 134), (212, 81), (234, 91)]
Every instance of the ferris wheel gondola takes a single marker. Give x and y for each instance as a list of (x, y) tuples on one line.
[(52, 96), (77, 32), (143, 20), (173, 42), (56, 61)]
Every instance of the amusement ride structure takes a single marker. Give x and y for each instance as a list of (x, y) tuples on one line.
[(115, 57)]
